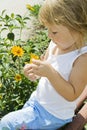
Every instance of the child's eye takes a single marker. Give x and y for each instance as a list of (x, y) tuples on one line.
[(54, 33)]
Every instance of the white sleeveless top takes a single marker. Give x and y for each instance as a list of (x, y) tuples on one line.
[(45, 93)]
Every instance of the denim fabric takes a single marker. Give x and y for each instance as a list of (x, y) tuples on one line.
[(32, 117)]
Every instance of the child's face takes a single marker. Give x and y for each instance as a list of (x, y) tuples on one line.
[(61, 36)]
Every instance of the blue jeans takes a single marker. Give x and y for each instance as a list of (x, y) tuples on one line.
[(31, 117)]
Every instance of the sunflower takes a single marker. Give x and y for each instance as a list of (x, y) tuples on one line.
[(33, 56), (18, 77), (17, 51), (28, 6)]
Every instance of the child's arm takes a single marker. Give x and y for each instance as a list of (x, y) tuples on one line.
[(82, 98), (68, 89)]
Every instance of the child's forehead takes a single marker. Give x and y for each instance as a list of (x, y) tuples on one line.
[(51, 25), (55, 26)]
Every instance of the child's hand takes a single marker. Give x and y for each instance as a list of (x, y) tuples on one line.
[(28, 74), (40, 68)]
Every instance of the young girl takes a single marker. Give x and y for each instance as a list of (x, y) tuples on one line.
[(63, 71)]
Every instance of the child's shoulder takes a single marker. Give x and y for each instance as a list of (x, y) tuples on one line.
[(82, 56)]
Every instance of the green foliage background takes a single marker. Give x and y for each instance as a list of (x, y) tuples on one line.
[(14, 94)]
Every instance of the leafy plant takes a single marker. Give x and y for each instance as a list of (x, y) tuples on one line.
[(33, 9), (15, 88)]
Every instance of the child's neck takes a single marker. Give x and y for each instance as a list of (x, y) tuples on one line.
[(58, 51), (63, 51)]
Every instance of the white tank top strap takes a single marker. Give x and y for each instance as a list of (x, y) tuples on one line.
[(80, 52), (51, 47)]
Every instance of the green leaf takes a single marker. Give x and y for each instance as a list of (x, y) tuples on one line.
[(12, 15), (3, 12), (11, 36), (7, 17)]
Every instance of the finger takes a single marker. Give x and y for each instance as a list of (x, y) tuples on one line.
[(33, 69), (32, 78), (30, 71), (31, 75), (36, 62), (42, 57), (27, 67)]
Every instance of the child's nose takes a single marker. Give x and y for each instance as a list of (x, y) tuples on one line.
[(50, 35)]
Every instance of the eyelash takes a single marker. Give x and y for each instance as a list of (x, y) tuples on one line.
[(54, 33)]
